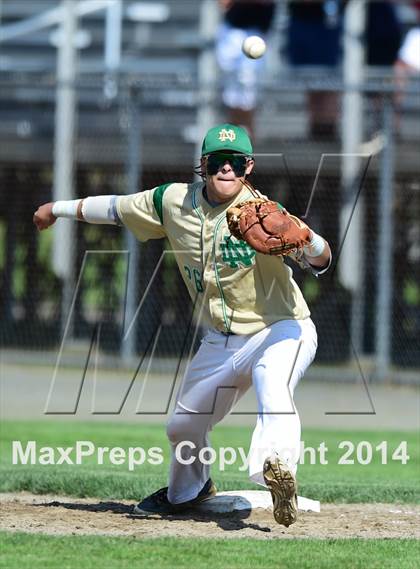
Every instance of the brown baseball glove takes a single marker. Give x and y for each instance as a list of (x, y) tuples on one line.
[(267, 227)]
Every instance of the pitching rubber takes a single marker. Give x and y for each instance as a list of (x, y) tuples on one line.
[(282, 485)]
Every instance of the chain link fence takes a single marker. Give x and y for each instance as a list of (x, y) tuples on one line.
[(147, 135)]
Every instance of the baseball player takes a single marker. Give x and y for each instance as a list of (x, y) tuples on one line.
[(260, 330)]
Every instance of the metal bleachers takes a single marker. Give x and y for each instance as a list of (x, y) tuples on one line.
[(164, 52), (161, 59)]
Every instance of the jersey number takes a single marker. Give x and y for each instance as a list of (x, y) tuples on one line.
[(195, 276)]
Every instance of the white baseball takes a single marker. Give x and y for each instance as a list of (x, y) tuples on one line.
[(254, 47)]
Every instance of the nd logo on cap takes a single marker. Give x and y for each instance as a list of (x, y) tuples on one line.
[(227, 135)]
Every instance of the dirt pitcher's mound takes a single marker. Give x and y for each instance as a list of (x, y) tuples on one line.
[(75, 516)]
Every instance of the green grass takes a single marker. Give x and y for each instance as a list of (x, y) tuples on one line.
[(375, 482), (22, 551)]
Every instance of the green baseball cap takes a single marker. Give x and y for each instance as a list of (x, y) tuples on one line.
[(228, 137)]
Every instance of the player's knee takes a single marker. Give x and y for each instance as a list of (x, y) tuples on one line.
[(178, 428)]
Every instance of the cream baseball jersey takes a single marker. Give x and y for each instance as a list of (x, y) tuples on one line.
[(242, 291)]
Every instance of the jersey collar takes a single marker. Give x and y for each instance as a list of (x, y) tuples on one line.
[(217, 209)]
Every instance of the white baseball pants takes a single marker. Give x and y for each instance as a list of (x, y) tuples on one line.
[(223, 369)]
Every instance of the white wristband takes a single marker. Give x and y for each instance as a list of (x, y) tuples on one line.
[(97, 209), (315, 247), (66, 208)]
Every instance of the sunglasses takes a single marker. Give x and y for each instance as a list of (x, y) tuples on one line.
[(238, 163)]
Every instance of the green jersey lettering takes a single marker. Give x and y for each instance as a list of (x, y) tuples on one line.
[(236, 253)]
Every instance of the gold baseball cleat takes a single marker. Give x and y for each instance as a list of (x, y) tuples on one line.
[(282, 485)]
